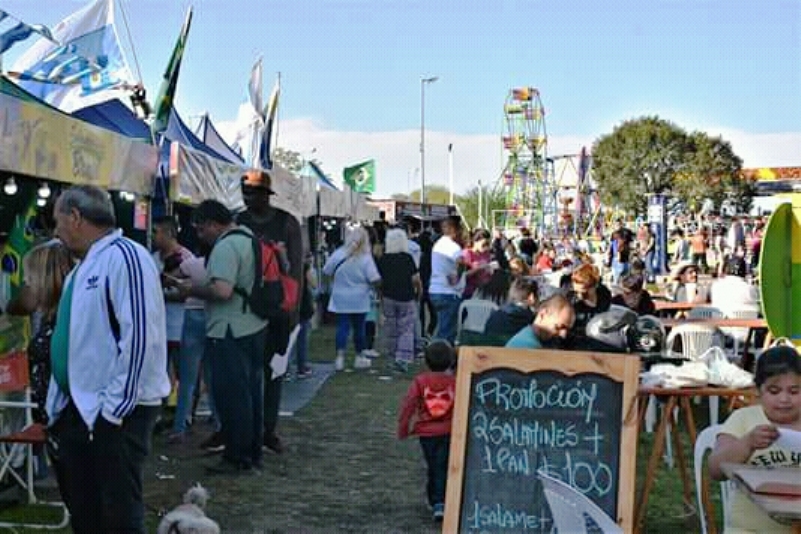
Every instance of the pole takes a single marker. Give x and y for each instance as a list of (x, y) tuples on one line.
[(480, 204), (422, 142), (450, 172), (423, 82)]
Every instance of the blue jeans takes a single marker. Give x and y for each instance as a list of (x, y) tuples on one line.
[(238, 386), (207, 379), (435, 451), (447, 308), (301, 350), (344, 322), (193, 340)]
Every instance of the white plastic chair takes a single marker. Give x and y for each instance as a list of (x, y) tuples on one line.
[(703, 443), (473, 315), (739, 334), (704, 312), (696, 339), (568, 507)]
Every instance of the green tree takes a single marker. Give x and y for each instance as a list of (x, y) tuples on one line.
[(639, 157), (651, 155), (492, 199), (714, 171), (435, 194), (288, 159)]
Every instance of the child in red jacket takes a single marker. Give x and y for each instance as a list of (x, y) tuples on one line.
[(426, 412)]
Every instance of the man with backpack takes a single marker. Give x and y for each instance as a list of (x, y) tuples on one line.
[(271, 224), (235, 335)]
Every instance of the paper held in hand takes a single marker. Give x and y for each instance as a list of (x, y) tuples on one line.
[(767, 481)]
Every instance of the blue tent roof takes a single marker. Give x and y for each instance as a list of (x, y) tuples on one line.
[(115, 116), (213, 139), (322, 179), (179, 132)]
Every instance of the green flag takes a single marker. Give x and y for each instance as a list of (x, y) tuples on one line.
[(166, 93), (20, 241), (361, 177)]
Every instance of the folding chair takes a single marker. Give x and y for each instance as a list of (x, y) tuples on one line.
[(14, 379)]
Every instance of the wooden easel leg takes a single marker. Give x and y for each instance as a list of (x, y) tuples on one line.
[(653, 462)]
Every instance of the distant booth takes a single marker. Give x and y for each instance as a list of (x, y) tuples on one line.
[(420, 216)]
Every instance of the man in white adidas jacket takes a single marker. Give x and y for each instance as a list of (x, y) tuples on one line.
[(109, 357)]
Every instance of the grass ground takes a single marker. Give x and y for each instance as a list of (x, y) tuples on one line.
[(344, 470)]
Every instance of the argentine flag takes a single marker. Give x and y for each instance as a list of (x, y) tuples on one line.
[(84, 66)]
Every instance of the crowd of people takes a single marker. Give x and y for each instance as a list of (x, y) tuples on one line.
[(179, 320)]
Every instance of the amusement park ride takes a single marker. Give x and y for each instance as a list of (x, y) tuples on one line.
[(536, 185)]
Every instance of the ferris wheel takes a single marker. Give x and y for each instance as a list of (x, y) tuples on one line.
[(526, 179)]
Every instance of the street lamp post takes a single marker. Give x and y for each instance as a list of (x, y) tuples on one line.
[(423, 82)]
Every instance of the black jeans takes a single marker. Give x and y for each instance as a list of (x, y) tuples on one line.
[(237, 376), (99, 473), (435, 451), (272, 400)]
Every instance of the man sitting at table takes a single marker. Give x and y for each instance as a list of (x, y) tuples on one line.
[(733, 292), (554, 319)]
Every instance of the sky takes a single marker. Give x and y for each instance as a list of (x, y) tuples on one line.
[(351, 73)]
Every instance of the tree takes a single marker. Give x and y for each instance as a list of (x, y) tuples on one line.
[(639, 157), (714, 171), (651, 155), (288, 159), (493, 199), (435, 194)]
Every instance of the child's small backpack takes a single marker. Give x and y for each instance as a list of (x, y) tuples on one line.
[(438, 403), (274, 292)]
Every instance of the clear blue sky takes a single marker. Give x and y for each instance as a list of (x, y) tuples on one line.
[(355, 65)]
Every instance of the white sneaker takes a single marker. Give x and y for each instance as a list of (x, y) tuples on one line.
[(339, 362), (370, 353), (361, 362)]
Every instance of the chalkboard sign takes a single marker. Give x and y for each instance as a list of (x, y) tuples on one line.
[(570, 415)]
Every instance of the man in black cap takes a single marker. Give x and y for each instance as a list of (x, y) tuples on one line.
[(273, 224)]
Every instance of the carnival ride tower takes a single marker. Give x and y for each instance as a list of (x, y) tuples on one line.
[(527, 178)]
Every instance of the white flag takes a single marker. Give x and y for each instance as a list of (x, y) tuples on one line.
[(87, 67), (255, 87)]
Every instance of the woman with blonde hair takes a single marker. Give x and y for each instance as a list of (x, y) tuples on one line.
[(353, 273), (400, 287), (44, 267)]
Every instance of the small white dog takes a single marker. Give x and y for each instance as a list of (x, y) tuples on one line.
[(189, 517)]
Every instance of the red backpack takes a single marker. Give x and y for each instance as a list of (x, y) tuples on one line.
[(274, 292)]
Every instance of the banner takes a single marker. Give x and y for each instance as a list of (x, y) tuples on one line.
[(39, 142), (20, 241), (361, 177), (88, 66)]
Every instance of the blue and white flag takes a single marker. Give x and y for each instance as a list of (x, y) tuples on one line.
[(86, 68), (11, 35)]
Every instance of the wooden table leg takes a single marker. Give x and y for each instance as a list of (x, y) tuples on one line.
[(680, 460), (653, 462)]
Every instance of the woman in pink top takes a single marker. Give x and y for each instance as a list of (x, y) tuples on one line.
[(477, 259)]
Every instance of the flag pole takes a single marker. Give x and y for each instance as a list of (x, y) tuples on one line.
[(277, 111)]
